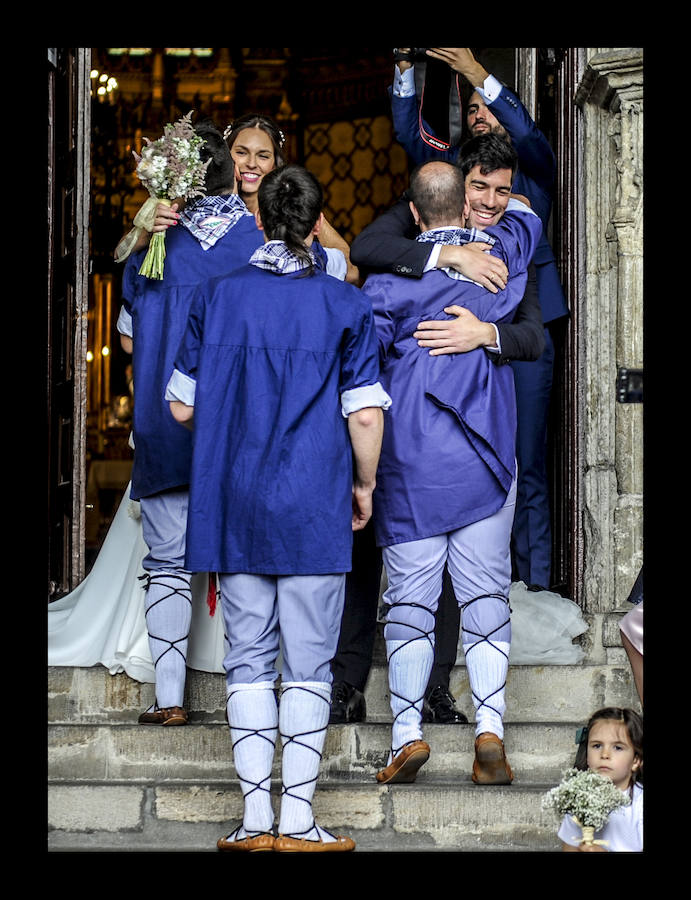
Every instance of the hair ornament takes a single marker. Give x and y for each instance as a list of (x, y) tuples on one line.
[(582, 735), (229, 129)]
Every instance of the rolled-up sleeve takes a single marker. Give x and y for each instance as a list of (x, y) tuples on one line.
[(336, 264), (124, 323), (181, 387), (360, 385), (362, 397)]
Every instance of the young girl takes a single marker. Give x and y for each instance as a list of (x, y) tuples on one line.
[(612, 745)]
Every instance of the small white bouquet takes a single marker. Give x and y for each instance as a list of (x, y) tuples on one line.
[(589, 798), (170, 168)]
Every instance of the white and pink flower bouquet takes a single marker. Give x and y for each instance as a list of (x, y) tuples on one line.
[(170, 168)]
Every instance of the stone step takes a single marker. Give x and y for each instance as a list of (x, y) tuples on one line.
[(115, 785), (429, 815), (102, 753), (533, 693)]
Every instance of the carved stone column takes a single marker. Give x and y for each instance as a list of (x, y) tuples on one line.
[(611, 97)]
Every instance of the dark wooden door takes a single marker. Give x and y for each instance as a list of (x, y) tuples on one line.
[(67, 305)]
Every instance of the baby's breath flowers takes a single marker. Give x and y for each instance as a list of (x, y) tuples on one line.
[(586, 796), (170, 168)]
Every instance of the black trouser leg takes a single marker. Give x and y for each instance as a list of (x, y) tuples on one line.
[(359, 623)]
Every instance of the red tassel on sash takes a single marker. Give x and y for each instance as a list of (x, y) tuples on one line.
[(211, 594)]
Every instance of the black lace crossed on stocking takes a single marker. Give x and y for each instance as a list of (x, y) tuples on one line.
[(254, 786), (487, 638), (186, 593), (429, 636), (293, 739)]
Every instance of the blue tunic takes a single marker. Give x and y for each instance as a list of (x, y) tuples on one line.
[(271, 486), (448, 455), (159, 310)]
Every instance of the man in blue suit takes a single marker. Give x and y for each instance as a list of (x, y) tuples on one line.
[(493, 108)]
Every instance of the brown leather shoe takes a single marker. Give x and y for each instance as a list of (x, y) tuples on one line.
[(254, 844), (169, 715), (403, 768), (284, 844), (491, 765)]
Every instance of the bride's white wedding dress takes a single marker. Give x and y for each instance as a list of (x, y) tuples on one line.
[(101, 622)]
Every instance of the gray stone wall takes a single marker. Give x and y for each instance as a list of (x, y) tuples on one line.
[(610, 96)]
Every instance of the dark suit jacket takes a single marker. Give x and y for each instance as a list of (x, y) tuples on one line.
[(389, 245)]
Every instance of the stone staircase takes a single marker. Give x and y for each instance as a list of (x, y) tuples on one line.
[(118, 786)]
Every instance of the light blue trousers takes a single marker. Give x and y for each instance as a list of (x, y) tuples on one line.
[(164, 529), (298, 614), (479, 562)]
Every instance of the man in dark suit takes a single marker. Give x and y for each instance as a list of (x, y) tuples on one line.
[(391, 238)]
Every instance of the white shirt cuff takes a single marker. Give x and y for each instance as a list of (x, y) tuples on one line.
[(181, 387), (490, 89), (433, 257), (496, 349), (124, 323), (362, 397), (336, 264), (404, 82)]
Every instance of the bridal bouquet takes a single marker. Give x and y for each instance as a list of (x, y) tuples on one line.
[(169, 168), (588, 798)]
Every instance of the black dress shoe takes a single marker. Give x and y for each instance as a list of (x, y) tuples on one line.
[(439, 707), (347, 704)]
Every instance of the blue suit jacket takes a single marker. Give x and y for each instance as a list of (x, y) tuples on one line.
[(534, 178)]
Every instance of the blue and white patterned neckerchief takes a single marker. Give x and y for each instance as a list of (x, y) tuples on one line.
[(276, 257), (209, 218), (457, 236)]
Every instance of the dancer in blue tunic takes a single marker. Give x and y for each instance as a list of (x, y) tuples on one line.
[(446, 480), (278, 374), (103, 620), (151, 324)]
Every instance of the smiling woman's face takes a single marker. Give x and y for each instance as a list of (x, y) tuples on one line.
[(254, 157)]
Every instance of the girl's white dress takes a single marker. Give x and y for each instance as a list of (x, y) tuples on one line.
[(101, 622), (623, 832)]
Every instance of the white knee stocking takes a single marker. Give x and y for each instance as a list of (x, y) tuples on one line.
[(168, 608), (253, 720), (410, 664), (303, 717), (487, 664), (486, 635)]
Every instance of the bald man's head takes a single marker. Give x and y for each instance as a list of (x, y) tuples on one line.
[(437, 191)]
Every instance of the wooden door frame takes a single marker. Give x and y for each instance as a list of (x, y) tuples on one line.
[(68, 203), (568, 242)]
